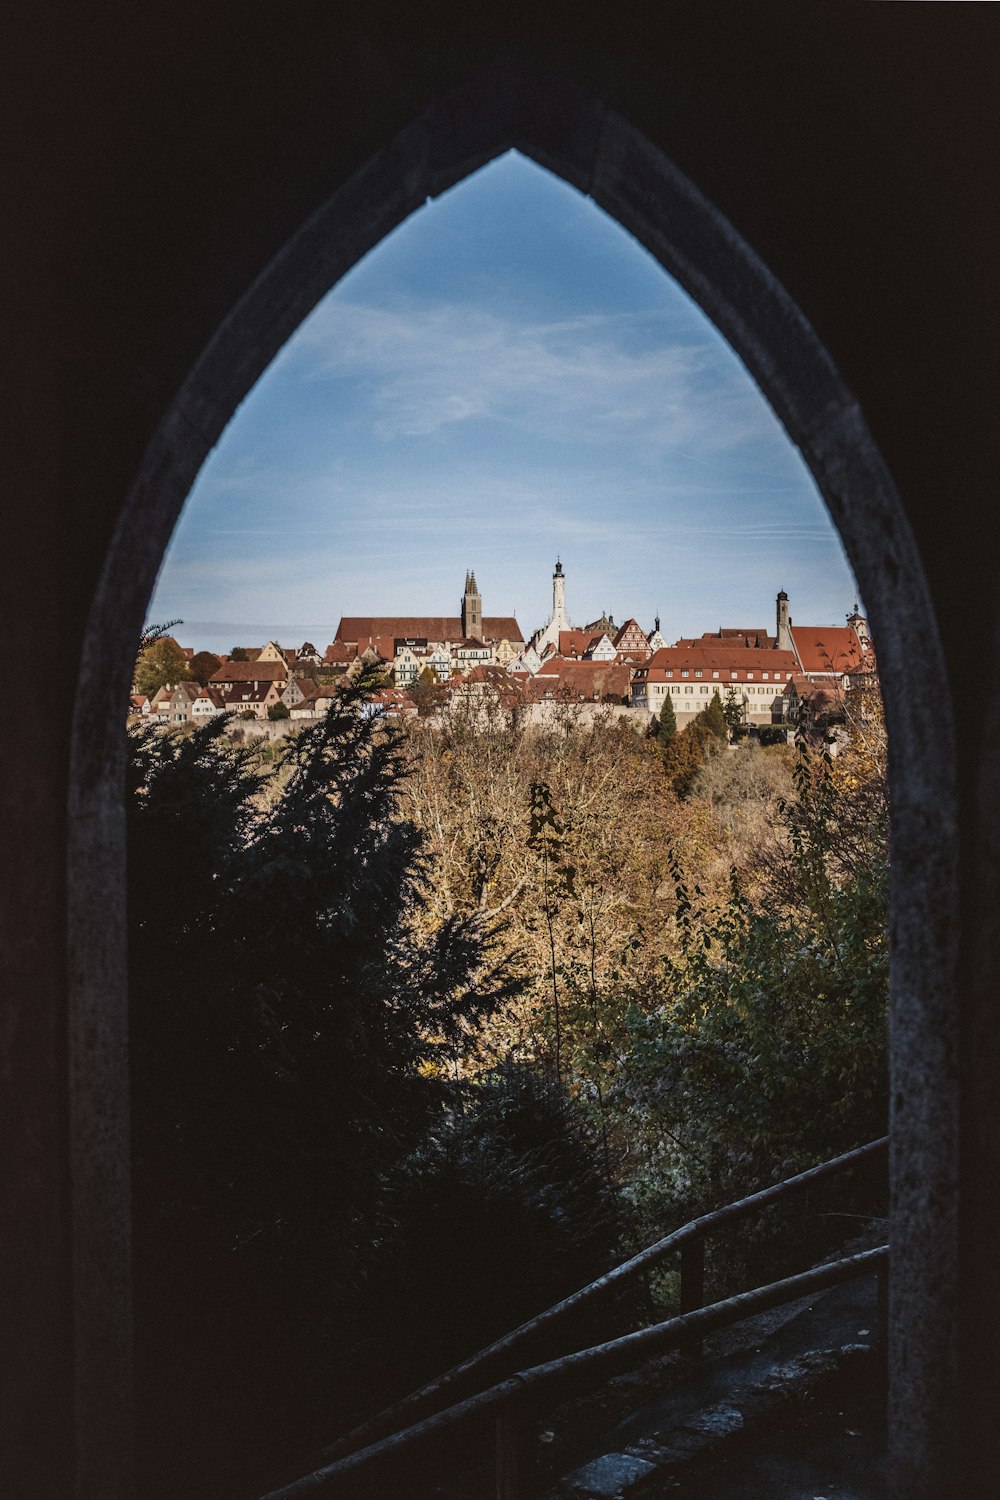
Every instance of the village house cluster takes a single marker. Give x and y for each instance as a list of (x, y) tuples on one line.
[(439, 661)]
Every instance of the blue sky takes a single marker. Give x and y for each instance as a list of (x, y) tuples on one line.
[(506, 379)]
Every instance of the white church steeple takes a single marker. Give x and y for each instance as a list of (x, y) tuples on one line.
[(559, 620)]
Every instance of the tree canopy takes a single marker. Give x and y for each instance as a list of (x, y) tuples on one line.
[(202, 665), (160, 662), (406, 999)]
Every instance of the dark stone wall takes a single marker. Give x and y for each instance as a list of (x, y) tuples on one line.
[(157, 160)]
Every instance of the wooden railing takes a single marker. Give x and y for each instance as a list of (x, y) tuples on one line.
[(377, 1445)]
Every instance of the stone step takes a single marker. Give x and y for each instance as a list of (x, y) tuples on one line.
[(670, 1449), (675, 1416)]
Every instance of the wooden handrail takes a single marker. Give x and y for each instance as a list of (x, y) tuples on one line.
[(460, 1376), (551, 1380)]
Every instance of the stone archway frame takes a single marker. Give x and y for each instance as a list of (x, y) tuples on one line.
[(599, 152)]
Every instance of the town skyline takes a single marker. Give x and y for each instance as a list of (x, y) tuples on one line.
[(254, 634), (506, 379)]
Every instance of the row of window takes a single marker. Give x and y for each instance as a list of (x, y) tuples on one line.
[(767, 692), (733, 675)]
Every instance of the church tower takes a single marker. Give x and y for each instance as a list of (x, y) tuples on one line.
[(549, 634), (559, 597), (783, 623), (859, 625), (472, 610)]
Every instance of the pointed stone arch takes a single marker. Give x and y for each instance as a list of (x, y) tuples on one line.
[(570, 132)]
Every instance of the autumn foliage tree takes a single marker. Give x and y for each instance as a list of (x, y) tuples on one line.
[(160, 662), (202, 666), (471, 791), (538, 984), (765, 1049)]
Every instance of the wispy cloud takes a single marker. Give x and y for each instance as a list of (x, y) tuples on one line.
[(448, 411), (592, 379)]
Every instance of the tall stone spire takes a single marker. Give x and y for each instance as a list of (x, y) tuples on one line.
[(783, 623), (472, 609)]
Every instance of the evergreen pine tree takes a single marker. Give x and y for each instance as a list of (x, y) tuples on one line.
[(290, 1019), (732, 711), (667, 727), (715, 719)]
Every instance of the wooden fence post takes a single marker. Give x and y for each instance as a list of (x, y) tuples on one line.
[(515, 1451), (883, 1307), (692, 1290)]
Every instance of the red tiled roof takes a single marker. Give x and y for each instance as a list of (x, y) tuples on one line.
[(383, 646), (244, 695), (337, 654), (576, 642), (629, 625), (826, 648), (509, 689), (753, 640), (721, 655), (743, 660), (592, 679), (354, 628), (394, 701), (487, 673), (251, 671)]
